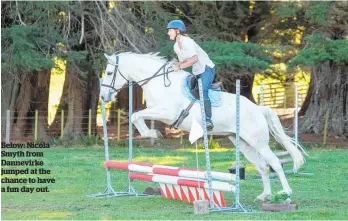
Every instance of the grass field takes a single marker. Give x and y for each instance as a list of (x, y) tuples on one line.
[(79, 172)]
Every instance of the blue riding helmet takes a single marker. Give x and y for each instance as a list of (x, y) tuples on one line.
[(177, 24)]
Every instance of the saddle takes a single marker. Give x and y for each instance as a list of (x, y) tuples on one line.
[(193, 85), (190, 88)]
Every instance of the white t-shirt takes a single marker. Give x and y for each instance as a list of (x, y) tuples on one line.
[(189, 49)]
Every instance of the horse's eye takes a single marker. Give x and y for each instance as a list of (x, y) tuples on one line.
[(109, 73)]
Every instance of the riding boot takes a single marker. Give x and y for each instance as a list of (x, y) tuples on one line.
[(207, 108)]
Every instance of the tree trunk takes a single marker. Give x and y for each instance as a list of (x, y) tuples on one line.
[(20, 127), (91, 98), (33, 95), (330, 94), (9, 91), (75, 86), (307, 100), (41, 92)]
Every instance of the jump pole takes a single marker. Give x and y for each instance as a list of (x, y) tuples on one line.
[(237, 206), (296, 116), (168, 170), (296, 129), (206, 145)]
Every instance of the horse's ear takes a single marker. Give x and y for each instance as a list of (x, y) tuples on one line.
[(107, 56)]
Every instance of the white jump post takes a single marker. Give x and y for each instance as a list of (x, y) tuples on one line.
[(237, 206), (286, 156), (262, 103), (296, 115), (8, 126), (296, 128), (131, 191), (237, 203), (109, 192), (206, 144)]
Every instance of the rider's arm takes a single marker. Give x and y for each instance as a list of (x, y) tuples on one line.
[(189, 62)]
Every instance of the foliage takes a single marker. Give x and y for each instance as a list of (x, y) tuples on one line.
[(281, 198), (238, 57), (286, 10), (29, 45), (34, 32), (21, 50), (232, 57), (317, 13), (327, 33), (322, 49), (82, 140), (213, 144), (154, 16)]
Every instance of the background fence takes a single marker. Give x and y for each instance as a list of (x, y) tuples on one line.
[(276, 95)]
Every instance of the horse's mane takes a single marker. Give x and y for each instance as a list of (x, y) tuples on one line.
[(152, 55)]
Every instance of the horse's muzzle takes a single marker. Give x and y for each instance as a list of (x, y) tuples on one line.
[(108, 96)]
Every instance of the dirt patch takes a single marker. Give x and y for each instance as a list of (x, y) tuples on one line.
[(331, 140)]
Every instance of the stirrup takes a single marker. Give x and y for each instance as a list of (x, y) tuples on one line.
[(182, 116)]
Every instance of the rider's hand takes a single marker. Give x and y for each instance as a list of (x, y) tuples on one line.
[(176, 67)]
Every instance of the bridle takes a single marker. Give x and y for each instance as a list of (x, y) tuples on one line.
[(165, 73), (114, 76)]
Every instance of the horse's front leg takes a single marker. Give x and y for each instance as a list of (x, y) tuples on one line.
[(138, 119)]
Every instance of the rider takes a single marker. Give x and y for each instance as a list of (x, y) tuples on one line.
[(191, 54)]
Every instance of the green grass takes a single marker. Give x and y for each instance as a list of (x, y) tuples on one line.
[(79, 172)]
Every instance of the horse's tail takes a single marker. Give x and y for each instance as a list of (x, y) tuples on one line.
[(278, 133)]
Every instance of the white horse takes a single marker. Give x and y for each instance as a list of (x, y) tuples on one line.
[(165, 102)]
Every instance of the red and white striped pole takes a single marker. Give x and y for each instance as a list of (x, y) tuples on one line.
[(216, 185), (169, 170)]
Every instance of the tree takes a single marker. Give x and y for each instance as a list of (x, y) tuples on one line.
[(228, 24), (26, 43), (326, 51), (34, 33)]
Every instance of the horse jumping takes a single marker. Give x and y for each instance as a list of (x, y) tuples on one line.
[(165, 100)]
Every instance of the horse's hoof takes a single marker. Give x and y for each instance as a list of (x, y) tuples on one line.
[(285, 192), (153, 133), (263, 198)]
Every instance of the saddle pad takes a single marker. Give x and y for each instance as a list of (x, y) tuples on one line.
[(215, 96)]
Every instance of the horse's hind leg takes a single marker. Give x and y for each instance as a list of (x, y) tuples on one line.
[(261, 166), (272, 160)]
